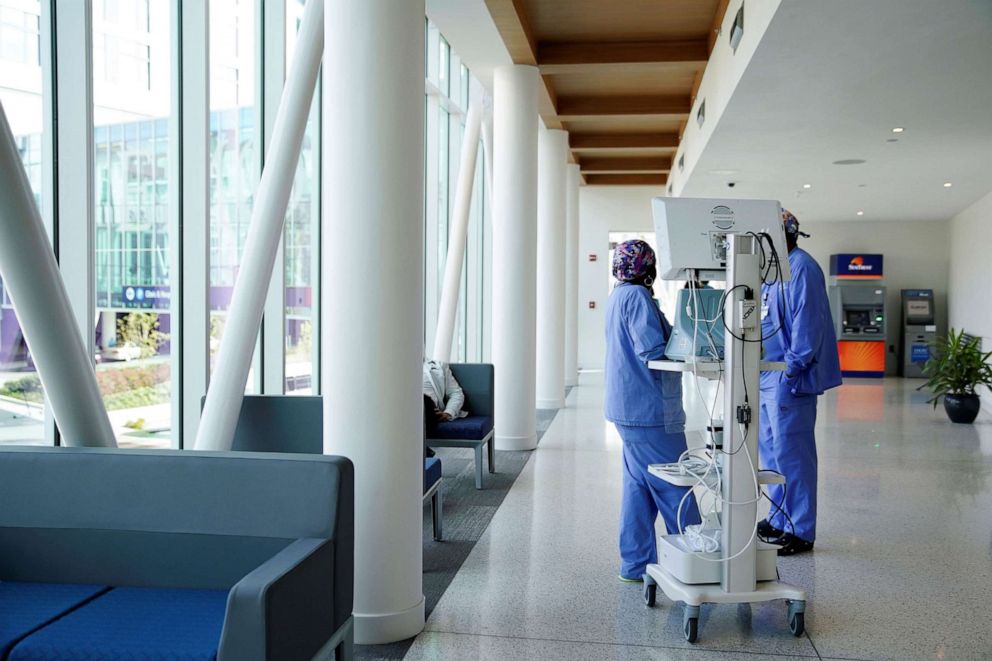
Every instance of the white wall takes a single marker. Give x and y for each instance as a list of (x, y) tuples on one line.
[(604, 209), (971, 273), (916, 257)]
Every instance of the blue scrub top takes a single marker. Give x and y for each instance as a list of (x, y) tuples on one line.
[(798, 330), (636, 332)]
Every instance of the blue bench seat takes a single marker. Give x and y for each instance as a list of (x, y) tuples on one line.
[(136, 624), (474, 427), (27, 607)]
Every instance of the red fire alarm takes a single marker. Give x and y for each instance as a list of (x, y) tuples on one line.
[(593, 257), (592, 305)]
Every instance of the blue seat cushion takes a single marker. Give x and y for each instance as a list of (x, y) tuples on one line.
[(136, 624), (432, 472), (26, 607), (474, 427)]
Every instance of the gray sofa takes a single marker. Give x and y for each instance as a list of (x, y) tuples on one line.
[(109, 554), (295, 423)]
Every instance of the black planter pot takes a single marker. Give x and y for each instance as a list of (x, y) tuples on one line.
[(962, 408)]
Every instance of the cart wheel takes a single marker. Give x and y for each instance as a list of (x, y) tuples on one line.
[(691, 629), (797, 624), (650, 594), (690, 623)]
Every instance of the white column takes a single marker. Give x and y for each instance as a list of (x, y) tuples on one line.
[(35, 286), (515, 254), (455, 258), (551, 162), (268, 218), (373, 239), (572, 275)]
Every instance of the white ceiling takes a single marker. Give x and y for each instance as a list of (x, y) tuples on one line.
[(830, 80)]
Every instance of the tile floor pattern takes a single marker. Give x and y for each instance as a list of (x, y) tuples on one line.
[(902, 567)]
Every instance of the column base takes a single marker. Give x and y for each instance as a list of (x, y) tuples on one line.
[(382, 628), (516, 443), (558, 403)]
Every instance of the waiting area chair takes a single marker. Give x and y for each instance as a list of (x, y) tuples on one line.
[(295, 424), (475, 431), (168, 554)]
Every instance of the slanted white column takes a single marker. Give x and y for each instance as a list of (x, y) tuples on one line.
[(35, 286), (455, 258), (551, 159), (515, 123), (373, 296), (227, 384), (572, 274)]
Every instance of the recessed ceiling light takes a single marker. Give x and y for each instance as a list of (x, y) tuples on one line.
[(898, 129), (807, 185), (861, 213), (947, 184)]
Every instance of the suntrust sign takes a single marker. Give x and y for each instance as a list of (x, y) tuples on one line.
[(856, 266)]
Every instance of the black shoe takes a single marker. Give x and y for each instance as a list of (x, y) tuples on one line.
[(792, 545), (768, 531)]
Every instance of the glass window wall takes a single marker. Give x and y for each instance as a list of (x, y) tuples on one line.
[(22, 411), (132, 96)]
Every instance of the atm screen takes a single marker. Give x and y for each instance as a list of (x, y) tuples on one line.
[(857, 318), (917, 309)]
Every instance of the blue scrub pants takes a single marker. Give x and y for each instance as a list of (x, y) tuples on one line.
[(787, 445), (645, 495)]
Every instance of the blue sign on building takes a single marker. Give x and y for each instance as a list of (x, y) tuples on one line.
[(145, 296), (860, 265)]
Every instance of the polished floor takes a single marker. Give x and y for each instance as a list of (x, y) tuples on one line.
[(902, 567)]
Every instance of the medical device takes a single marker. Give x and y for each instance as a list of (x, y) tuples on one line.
[(693, 235), (697, 329), (722, 561)]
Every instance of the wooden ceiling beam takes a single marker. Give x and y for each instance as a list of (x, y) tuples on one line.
[(514, 27), (592, 142), (579, 107), (584, 57), (627, 164), (721, 11), (626, 179)]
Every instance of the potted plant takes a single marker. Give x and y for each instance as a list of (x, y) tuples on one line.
[(956, 368)]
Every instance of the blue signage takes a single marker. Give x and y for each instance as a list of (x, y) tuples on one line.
[(920, 353), (145, 296), (861, 265)]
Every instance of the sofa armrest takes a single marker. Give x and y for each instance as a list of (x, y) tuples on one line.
[(478, 382), (284, 609)]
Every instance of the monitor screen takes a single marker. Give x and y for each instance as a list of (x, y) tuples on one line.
[(857, 318)]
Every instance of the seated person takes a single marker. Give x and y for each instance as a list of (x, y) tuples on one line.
[(443, 397)]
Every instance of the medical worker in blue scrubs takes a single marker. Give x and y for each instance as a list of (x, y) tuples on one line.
[(797, 330), (646, 407)]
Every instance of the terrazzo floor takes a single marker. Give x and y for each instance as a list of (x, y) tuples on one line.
[(902, 567)]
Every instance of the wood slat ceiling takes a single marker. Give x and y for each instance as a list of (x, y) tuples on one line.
[(619, 75)]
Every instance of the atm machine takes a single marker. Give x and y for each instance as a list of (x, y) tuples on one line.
[(857, 304), (919, 330)]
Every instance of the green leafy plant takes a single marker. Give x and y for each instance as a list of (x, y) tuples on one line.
[(957, 366), (140, 329)]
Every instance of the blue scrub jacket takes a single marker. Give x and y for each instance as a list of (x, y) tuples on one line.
[(798, 330), (636, 332)]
